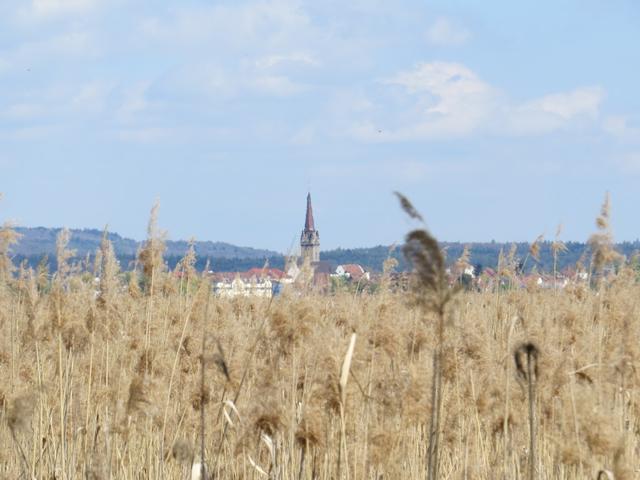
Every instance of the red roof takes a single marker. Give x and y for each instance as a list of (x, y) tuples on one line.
[(257, 273), (355, 271), (270, 273)]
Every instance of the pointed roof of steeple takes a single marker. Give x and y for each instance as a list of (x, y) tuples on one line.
[(308, 221)]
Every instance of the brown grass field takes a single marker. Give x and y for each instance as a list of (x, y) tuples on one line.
[(114, 380)]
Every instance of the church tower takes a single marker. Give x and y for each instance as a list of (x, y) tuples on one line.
[(310, 238)]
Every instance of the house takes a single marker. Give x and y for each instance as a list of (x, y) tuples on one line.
[(239, 287), (255, 282), (352, 272)]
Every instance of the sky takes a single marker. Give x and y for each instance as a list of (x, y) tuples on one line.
[(498, 119)]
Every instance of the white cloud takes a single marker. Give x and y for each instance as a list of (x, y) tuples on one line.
[(59, 103), (345, 103), (444, 33), (32, 133), (581, 101), (39, 10), (446, 100), (172, 134), (396, 170), (270, 24), (23, 111), (147, 134), (556, 111), (449, 100), (278, 85), (622, 127), (70, 44), (225, 82), (304, 136), (134, 102), (271, 61), (629, 163), (91, 97), (441, 78), (48, 7)]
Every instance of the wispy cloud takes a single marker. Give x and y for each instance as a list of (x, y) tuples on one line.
[(48, 7), (91, 97), (217, 82), (581, 101), (45, 10), (579, 107), (280, 85), (266, 24), (629, 163), (440, 100), (443, 32), (271, 61), (398, 170), (622, 127), (66, 45)]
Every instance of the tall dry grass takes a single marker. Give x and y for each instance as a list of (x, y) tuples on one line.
[(157, 378)]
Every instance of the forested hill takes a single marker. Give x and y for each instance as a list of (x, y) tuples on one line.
[(37, 242), (41, 241), (483, 254)]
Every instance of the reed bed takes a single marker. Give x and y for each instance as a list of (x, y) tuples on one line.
[(154, 377)]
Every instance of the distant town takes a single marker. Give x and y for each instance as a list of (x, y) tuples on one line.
[(237, 271)]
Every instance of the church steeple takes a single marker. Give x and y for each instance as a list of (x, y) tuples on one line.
[(308, 221), (310, 238)]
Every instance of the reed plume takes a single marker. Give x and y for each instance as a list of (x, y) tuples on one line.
[(108, 271), (432, 294), (150, 255), (8, 237), (603, 253)]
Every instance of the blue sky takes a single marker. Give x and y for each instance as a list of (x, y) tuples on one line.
[(499, 119)]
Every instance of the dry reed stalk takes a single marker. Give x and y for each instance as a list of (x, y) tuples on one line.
[(89, 389), (534, 252), (62, 412), (432, 295), (205, 284), (247, 364), (603, 253), (529, 372), (18, 418), (557, 247), (507, 396), (108, 271), (8, 237), (344, 377), (605, 475), (202, 389), (150, 257)]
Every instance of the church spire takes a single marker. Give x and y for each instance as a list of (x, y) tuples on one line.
[(308, 221), (310, 237)]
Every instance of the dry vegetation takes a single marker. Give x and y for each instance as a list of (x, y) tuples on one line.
[(105, 380)]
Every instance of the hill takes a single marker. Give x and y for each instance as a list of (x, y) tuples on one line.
[(37, 242), (40, 241)]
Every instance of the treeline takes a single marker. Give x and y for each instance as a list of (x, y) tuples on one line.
[(482, 255), (40, 241), (127, 262)]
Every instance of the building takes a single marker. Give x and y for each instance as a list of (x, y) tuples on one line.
[(352, 271), (308, 269), (256, 282), (310, 237), (243, 288)]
